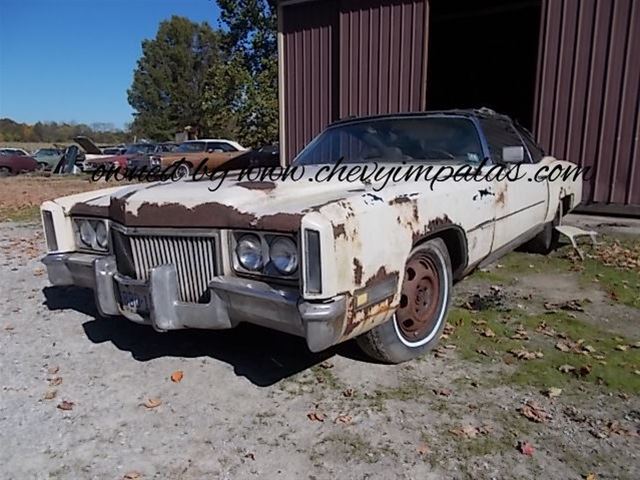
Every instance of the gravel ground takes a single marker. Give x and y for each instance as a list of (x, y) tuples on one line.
[(84, 397)]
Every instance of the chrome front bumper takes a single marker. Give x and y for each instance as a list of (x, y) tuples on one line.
[(232, 300)]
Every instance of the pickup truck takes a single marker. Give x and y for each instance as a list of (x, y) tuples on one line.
[(362, 237)]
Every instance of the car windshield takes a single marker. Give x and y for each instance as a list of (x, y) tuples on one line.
[(188, 147), (423, 139), (139, 148), (13, 151)]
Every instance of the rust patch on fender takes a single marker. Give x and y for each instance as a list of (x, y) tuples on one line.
[(500, 198), (400, 200), (434, 224), (257, 185), (207, 215), (380, 276), (86, 210), (280, 222), (357, 271), (339, 230)]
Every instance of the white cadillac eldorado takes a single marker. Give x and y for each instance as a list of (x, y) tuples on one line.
[(364, 239)]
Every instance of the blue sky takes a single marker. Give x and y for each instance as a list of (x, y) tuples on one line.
[(73, 60)]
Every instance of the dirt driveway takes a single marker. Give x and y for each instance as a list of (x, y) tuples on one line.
[(538, 377)]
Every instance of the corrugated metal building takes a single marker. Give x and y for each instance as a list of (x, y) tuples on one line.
[(567, 69)]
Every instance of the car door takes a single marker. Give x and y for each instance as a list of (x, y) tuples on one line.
[(520, 202), (219, 153)]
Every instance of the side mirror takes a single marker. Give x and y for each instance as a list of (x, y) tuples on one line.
[(218, 150), (513, 154)]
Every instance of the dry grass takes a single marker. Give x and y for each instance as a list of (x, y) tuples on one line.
[(21, 196)]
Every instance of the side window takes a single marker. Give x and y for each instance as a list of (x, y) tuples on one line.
[(535, 150), (225, 147), (500, 133)]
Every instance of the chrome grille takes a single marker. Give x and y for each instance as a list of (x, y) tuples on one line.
[(193, 257)]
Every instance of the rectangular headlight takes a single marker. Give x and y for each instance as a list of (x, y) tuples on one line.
[(313, 271), (49, 231), (91, 234)]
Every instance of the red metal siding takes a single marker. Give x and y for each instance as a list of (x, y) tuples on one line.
[(588, 96), (308, 31), (383, 56), (350, 57)]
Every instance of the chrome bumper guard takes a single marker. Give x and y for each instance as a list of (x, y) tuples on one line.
[(232, 300)]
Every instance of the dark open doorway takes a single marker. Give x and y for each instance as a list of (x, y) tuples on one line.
[(484, 53)]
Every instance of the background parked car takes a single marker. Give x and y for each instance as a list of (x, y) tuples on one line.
[(140, 161), (135, 150), (13, 151), (13, 164), (48, 158), (265, 156), (216, 151)]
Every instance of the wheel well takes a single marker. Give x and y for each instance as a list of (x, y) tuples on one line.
[(456, 242), (567, 203)]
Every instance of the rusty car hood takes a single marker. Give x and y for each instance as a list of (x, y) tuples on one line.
[(277, 206)]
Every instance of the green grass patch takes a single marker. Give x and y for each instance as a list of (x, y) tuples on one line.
[(27, 213), (606, 365)]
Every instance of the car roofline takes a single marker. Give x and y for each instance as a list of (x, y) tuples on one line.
[(470, 113)]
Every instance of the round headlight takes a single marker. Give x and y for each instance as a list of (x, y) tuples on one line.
[(101, 235), (284, 255), (87, 233), (249, 252)]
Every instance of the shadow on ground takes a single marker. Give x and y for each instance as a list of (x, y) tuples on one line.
[(261, 355)]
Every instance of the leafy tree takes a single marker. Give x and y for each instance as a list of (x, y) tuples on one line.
[(169, 80), (250, 77)]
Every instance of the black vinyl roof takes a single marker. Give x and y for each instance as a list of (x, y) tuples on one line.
[(482, 112)]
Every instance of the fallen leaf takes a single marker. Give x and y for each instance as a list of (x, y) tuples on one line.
[(250, 455), (152, 403), (469, 431), (523, 354), (177, 376), (326, 364), (520, 334), (50, 394), (66, 405), (423, 449), (344, 419), (133, 475), (534, 412), (545, 329), (444, 392), (553, 392), (622, 348), (525, 448), (591, 476), (567, 368), (55, 381), (566, 346), (349, 392), (487, 332), (316, 416), (584, 370), (53, 370)]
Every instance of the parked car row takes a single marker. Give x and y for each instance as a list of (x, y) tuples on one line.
[(217, 153)]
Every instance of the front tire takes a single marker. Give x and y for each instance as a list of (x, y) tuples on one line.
[(417, 324), (547, 240)]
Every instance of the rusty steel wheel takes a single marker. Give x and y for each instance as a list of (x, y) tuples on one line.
[(418, 312), (424, 301)]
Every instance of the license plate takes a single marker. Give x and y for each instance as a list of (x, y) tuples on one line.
[(134, 298)]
